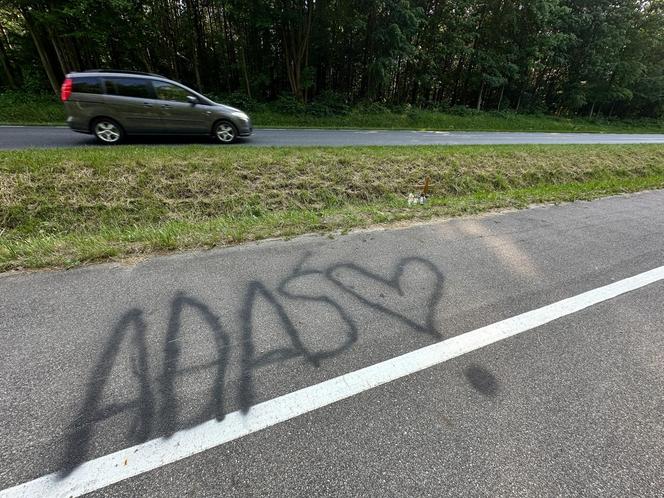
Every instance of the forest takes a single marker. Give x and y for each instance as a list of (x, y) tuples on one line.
[(561, 57)]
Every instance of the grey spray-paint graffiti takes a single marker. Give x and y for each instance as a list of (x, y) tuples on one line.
[(338, 288)]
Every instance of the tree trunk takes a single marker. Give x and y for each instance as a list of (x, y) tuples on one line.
[(479, 97), (197, 71), (194, 15), (5, 65), (43, 55), (368, 49), (413, 92), (457, 79), (500, 99), (306, 64), (296, 50), (145, 58), (3, 36), (395, 85), (58, 51), (291, 71), (243, 61)]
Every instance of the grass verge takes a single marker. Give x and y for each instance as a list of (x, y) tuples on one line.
[(65, 207), (417, 119)]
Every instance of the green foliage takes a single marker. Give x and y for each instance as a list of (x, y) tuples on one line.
[(328, 104), (330, 110), (599, 57), (565, 57), (20, 108), (288, 104), (237, 99), (462, 110)]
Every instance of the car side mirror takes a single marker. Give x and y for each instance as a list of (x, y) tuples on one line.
[(192, 100)]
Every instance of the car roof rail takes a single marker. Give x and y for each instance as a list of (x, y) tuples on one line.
[(121, 71)]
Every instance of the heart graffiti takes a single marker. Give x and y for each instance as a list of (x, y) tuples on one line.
[(321, 313)]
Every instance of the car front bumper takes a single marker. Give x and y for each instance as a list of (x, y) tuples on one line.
[(245, 128)]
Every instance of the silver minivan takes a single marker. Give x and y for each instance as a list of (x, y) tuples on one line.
[(113, 104)]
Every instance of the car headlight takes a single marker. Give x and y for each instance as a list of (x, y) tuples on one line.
[(241, 115)]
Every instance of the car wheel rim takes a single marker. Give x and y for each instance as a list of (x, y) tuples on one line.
[(225, 132), (106, 131)]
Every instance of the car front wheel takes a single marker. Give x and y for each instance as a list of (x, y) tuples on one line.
[(224, 132)]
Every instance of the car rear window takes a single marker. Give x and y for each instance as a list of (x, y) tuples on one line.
[(87, 84), (129, 87)]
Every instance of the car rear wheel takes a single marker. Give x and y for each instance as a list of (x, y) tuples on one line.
[(224, 132), (107, 131)]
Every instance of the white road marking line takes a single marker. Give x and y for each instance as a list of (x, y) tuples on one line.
[(33, 126), (156, 453)]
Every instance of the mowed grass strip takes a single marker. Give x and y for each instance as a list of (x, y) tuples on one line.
[(64, 207)]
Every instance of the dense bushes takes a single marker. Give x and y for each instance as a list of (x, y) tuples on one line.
[(331, 110)]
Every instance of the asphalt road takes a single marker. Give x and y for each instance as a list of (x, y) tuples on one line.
[(12, 137), (98, 359)]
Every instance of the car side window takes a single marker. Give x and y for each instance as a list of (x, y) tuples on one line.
[(166, 91), (129, 87), (87, 84)]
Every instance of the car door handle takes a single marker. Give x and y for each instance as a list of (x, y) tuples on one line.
[(165, 106), (145, 104)]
